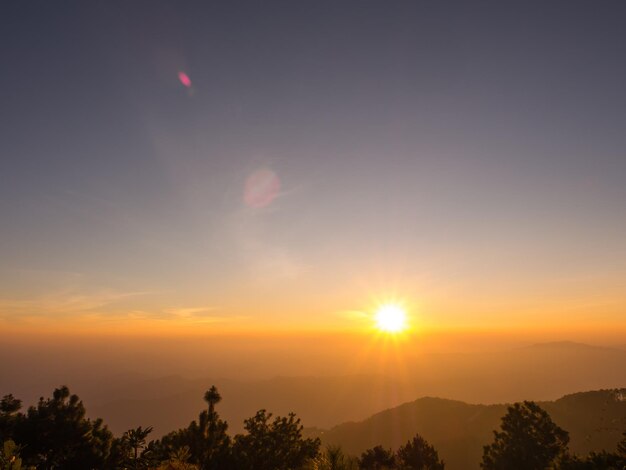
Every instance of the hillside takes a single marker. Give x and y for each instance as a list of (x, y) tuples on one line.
[(539, 372), (595, 421), (544, 371)]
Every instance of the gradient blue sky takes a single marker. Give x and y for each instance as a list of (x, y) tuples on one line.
[(466, 158)]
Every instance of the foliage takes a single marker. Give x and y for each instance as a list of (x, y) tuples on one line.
[(596, 460), (179, 460), (10, 456), (206, 440), (56, 434), (212, 397), (528, 440), (333, 458), (621, 446), (205, 444), (417, 454), (377, 458), (9, 406), (273, 445), (132, 450)]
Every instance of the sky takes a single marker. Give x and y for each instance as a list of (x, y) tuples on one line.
[(280, 166)]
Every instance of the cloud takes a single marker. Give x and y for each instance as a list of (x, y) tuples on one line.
[(186, 312), (63, 303), (55, 298)]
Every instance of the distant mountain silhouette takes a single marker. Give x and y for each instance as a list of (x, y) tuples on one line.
[(127, 397), (543, 371), (595, 421), (320, 401), (566, 345)]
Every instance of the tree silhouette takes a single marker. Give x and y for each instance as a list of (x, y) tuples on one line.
[(275, 445), (212, 397), (621, 447), (56, 434), (596, 460), (333, 458), (529, 440), (134, 441), (417, 454), (377, 458), (9, 406), (179, 460), (206, 439)]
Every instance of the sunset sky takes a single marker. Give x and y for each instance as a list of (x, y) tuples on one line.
[(249, 167)]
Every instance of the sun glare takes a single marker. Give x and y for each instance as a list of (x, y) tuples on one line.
[(390, 318)]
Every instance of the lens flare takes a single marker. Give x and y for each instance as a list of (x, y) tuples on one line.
[(184, 79), (261, 188)]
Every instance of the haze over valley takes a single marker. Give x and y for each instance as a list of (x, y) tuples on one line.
[(312, 235)]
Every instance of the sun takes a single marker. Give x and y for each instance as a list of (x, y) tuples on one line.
[(391, 318)]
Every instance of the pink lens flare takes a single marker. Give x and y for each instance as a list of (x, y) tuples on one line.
[(261, 188), (184, 79)]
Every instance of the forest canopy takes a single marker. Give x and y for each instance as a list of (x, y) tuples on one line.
[(56, 434)]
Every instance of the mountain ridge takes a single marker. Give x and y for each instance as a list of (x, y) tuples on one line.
[(458, 430)]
